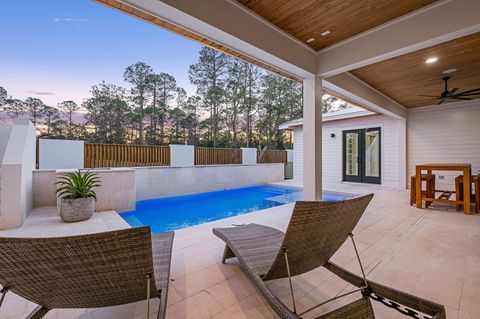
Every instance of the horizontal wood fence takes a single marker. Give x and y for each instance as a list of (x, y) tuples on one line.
[(114, 155), (211, 156), (270, 156)]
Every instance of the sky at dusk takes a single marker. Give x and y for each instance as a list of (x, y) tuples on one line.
[(56, 50)]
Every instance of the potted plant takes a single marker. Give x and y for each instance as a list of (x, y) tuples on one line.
[(76, 194)]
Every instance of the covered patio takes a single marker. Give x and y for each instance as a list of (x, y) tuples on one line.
[(388, 57), (433, 254), (371, 55)]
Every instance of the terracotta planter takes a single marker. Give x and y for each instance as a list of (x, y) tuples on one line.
[(78, 209)]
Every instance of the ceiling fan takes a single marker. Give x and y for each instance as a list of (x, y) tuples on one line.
[(452, 94)]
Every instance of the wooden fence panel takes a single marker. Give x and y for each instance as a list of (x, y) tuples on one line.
[(270, 156), (212, 156), (114, 155)]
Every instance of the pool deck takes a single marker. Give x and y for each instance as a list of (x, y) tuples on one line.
[(432, 253)]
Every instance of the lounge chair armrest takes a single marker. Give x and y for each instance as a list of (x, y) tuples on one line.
[(428, 307), (162, 256)]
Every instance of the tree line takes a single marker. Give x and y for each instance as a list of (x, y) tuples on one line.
[(235, 104)]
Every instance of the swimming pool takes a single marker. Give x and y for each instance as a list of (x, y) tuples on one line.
[(171, 213)]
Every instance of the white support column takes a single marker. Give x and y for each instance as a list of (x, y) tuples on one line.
[(312, 138)]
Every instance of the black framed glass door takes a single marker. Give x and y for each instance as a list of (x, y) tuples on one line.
[(362, 155)]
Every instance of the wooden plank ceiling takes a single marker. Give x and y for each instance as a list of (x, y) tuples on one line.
[(306, 19), (406, 77)]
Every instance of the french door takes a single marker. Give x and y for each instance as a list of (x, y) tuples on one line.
[(362, 155)]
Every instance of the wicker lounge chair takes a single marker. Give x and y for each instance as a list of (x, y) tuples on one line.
[(88, 271), (315, 232)]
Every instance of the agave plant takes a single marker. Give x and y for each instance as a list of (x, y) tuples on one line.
[(77, 185)]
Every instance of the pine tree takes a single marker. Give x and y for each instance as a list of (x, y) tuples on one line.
[(138, 76), (69, 107), (167, 89), (51, 115), (192, 109), (209, 74), (108, 112), (3, 96), (14, 108), (34, 107)]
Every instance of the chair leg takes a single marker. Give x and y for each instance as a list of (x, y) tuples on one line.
[(227, 253), (458, 192), (430, 192), (477, 196), (38, 313), (162, 306), (2, 297), (433, 187), (412, 190)]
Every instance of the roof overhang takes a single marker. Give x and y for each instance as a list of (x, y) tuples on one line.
[(349, 113), (236, 31)]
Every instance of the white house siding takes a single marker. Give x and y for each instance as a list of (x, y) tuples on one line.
[(298, 153), (446, 134), (391, 151)]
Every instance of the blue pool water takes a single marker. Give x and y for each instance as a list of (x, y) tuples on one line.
[(170, 213)]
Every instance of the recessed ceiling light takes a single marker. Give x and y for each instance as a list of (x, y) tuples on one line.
[(325, 33), (431, 60), (310, 40)]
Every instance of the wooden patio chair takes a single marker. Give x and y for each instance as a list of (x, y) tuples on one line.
[(429, 180), (475, 198), (315, 232), (88, 271)]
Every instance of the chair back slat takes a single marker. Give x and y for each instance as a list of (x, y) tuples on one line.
[(85, 271), (315, 232)]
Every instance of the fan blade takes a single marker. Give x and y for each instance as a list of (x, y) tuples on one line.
[(468, 94), (461, 98), (453, 91), (470, 91), (434, 96), (441, 101)]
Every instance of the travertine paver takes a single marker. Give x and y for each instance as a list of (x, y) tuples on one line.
[(433, 253)]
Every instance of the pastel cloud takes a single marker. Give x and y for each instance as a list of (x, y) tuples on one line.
[(69, 19), (40, 92)]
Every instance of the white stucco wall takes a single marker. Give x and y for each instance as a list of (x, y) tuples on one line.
[(4, 135), (60, 154), (121, 187), (44, 187), (445, 134), (17, 165), (153, 182), (116, 193), (249, 156), (182, 155), (392, 156)]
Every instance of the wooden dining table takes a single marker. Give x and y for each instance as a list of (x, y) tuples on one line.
[(466, 169)]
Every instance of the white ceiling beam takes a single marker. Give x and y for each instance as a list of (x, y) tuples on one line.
[(358, 91), (440, 22), (232, 25)]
